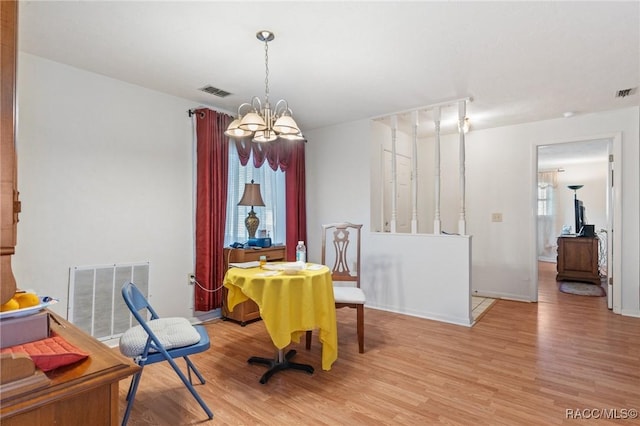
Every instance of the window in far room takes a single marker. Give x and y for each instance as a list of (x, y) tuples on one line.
[(545, 193), (547, 232), (272, 188), (547, 183)]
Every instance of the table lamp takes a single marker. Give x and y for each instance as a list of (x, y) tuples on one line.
[(251, 197)]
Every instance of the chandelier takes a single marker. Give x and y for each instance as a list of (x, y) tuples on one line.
[(261, 122)]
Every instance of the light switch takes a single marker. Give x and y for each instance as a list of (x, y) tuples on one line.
[(496, 217)]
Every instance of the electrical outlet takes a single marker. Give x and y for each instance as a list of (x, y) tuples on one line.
[(496, 217), (192, 279)]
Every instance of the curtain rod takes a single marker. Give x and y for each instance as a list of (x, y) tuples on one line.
[(191, 112), (559, 170)]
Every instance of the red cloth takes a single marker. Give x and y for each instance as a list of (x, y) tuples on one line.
[(295, 183), (211, 205), (50, 353)]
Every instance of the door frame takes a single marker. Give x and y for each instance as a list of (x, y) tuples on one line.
[(614, 215)]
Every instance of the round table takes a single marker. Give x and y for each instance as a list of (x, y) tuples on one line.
[(290, 304)]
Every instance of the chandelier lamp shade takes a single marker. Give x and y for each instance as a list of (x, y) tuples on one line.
[(259, 121), (251, 197)]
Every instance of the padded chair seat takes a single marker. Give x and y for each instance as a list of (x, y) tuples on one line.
[(348, 295), (172, 333)]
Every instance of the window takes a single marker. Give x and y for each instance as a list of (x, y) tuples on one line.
[(272, 187), (545, 204), (547, 182)]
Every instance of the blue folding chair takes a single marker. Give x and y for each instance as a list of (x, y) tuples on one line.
[(160, 339)]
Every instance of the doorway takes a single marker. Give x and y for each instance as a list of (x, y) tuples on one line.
[(570, 174)]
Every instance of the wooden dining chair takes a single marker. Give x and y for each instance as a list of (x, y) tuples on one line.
[(344, 248), (160, 339)]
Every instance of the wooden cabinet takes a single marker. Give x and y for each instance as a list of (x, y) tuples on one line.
[(578, 259), (84, 393), (247, 311), (9, 204)]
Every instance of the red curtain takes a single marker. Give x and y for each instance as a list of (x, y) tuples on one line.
[(289, 156), (211, 205), (295, 183)]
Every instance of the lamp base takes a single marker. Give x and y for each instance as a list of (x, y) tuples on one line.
[(252, 222)]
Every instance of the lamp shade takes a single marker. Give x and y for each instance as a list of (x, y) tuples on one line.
[(252, 122), (286, 125), (233, 131), (296, 137), (251, 196), (265, 136)]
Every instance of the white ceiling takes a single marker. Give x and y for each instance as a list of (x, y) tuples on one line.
[(342, 61), (566, 154)]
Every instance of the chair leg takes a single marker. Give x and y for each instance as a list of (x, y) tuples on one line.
[(190, 387), (190, 368), (360, 325), (131, 395), (308, 339)]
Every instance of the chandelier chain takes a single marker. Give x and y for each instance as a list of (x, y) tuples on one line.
[(266, 67)]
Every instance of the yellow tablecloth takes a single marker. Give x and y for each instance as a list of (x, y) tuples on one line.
[(289, 305)]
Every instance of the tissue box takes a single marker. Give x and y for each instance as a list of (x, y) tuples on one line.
[(16, 331)]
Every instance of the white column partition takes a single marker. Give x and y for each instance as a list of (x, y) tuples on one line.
[(461, 103), (394, 176), (414, 174), (437, 226), (462, 222)]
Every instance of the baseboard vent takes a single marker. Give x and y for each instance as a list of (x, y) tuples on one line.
[(95, 302)]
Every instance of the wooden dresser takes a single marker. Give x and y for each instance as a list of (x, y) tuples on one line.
[(84, 393), (247, 311), (578, 259)]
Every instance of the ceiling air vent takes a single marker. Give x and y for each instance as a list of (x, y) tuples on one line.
[(626, 92), (215, 91)]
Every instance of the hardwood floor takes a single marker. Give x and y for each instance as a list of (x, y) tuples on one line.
[(521, 364)]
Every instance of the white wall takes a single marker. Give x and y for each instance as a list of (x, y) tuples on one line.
[(501, 178), (593, 175), (105, 176)]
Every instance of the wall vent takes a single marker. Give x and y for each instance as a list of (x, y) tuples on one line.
[(626, 92), (215, 91), (95, 301)]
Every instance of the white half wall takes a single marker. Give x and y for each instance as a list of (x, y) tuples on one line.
[(427, 276), (415, 274)]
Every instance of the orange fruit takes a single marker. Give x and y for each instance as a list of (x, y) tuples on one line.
[(11, 305), (26, 300)]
